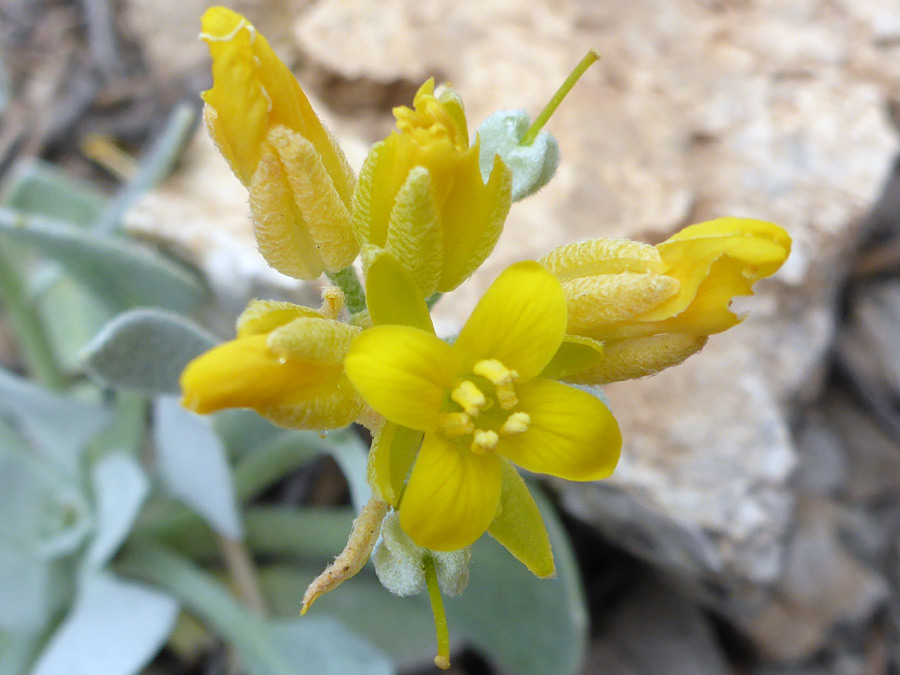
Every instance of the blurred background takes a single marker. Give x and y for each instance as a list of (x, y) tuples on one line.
[(752, 525)]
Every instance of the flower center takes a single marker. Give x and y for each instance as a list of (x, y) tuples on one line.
[(481, 408)]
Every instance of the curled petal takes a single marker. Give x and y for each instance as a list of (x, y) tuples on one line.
[(735, 251), (452, 495), (572, 434)]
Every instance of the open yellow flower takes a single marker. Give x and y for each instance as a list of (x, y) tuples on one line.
[(482, 406), (286, 364), (261, 121), (651, 307), (421, 195)]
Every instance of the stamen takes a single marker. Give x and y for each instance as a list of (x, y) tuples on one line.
[(453, 425), (469, 398), (502, 378), (516, 424), (484, 441)]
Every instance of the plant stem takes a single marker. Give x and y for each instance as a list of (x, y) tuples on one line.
[(558, 97), (348, 281), (242, 571), (442, 660)]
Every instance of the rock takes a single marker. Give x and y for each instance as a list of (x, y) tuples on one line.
[(696, 110), (823, 466), (654, 631), (702, 488), (823, 587)]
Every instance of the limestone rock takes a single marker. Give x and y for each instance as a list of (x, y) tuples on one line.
[(766, 109)]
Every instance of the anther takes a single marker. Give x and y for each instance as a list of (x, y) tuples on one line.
[(453, 425), (484, 441), (516, 424), (502, 378), (469, 398)]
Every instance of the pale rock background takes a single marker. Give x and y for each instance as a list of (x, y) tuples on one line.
[(764, 108)]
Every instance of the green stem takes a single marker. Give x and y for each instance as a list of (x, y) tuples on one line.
[(303, 534), (26, 322), (348, 281), (539, 122), (442, 660), (200, 593)]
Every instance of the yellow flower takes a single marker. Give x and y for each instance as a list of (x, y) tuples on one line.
[(653, 306), (421, 195), (482, 406), (285, 364), (299, 180)]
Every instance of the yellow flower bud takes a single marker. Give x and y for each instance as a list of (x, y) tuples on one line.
[(261, 121), (421, 195), (651, 307), (286, 364)]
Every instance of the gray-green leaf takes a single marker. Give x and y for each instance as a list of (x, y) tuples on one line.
[(120, 487), (114, 628), (194, 467), (117, 270), (145, 350)]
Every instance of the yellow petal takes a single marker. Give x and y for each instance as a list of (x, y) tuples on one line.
[(393, 451), (755, 248), (393, 297), (473, 217), (244, 373), (572, 434), (520, 528), (403, 373), (452, 495), (373, 197), (520, 321), (254, 91)]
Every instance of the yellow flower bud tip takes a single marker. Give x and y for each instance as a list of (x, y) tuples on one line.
[(432, 118), (291, 374), (299, 181)]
